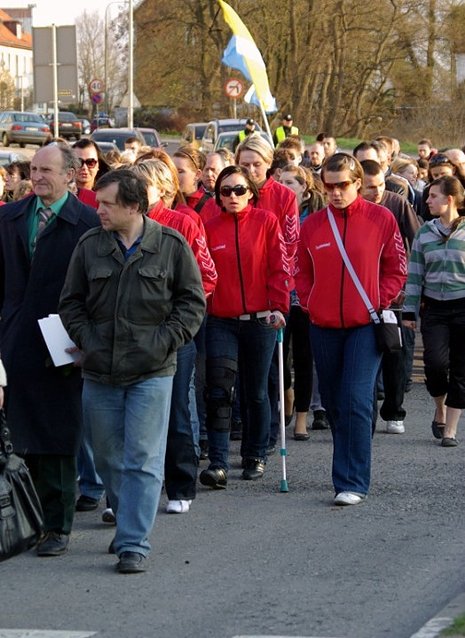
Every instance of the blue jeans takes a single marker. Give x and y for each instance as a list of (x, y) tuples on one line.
[(250, 344), (347, 362), (129, 426), (90, 483), (181, 459)]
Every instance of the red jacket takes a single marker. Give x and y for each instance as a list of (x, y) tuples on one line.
[(282, 202), (88, 197), (190, 212), (249, 254), (374, 245), (184, 225)]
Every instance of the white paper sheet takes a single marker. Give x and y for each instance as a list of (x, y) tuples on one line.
[(57, 340)]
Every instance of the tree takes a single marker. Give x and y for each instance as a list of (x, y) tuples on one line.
[(97, 59), (7, 89)]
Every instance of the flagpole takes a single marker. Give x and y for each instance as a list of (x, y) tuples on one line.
[(267, 125)]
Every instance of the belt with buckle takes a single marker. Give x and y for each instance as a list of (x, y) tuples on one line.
[(255, 315)]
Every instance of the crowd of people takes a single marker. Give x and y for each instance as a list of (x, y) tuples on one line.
[(172, 276)]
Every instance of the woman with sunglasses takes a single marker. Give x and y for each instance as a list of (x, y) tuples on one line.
[(244, 312), (436, 284), (92, 166), (341, 331)]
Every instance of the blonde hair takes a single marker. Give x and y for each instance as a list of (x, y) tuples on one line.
[(257, 144), (156, 173)]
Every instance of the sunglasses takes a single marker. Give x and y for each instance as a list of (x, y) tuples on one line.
[(90, 162), (341, 186), (238, 190)]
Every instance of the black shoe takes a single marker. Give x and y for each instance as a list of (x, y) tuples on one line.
[(53, 544), (86, 503), (236, 430), (320, 420), (253, 469), (131, 563), (111, 547), (437, 429), (216, 478), (203, 444)]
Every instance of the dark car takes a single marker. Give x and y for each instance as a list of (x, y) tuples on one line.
[(23, 128), (116, 135), (151, 137), (69, 125)]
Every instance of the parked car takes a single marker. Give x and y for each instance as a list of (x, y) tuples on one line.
[(116, 135), (193, 134), (215, 127), (85, 126), (6, 157), (101, 122), (69, 125), (105, 147), (151, 137), (226, 140), (23, 128)]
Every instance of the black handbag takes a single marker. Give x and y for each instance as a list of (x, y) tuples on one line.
[(21, 518), (388, 333)]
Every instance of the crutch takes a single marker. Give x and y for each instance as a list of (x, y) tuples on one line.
[(282, 426)]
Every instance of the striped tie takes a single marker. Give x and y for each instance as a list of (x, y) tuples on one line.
[(44, 215)]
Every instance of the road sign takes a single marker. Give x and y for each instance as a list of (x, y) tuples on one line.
[(233, 88), (66, 58), (96, 86), (97, 98)]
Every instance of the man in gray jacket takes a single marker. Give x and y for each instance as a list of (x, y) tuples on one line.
[(132, 296)]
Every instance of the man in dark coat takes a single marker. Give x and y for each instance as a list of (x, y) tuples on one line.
[(37, 237)]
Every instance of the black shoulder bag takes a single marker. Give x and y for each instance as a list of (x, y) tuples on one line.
[(21, 519)]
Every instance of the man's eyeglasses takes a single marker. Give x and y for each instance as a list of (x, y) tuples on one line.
[(341, 186), (238, 190), (90, 162)]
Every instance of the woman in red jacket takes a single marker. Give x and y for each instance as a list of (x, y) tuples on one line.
[(181, 459), (246, 308), (341, 332)]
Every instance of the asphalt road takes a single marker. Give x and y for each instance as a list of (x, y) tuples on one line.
[(251, 561)]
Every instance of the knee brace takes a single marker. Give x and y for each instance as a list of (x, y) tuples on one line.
[(220, 378)]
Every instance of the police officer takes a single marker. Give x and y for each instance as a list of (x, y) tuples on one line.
[(285, 130), (248, 130)]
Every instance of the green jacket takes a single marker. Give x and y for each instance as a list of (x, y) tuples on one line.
[(130, 317)]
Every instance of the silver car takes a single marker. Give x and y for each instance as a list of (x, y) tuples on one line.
[(23, 128)]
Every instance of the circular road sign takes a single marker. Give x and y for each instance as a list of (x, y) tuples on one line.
[(233, 88), (96, 86), (97, 98)]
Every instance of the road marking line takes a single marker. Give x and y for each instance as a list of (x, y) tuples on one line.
[(44, 633), (432, 628)]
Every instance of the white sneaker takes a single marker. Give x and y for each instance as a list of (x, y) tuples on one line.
[(395, 427), (348, 498), (178, 507)]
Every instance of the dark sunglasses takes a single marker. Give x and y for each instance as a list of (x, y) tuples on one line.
[(341, 186), (440, 160), (238, 190), (90, 162)]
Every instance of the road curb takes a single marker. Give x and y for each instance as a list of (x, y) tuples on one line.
[(443, 619)]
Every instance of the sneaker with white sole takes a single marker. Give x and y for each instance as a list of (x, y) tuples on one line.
[(395, 427), (178, 507), (348, 498)]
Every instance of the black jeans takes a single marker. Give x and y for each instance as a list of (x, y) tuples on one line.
[(443, 331)]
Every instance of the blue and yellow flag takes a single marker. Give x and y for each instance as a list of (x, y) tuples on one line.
[(242, 54)]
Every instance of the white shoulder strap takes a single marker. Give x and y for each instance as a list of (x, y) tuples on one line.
[(350, 268)]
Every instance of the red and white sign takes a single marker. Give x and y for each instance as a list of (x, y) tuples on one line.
[(234, 88), (96, 86)]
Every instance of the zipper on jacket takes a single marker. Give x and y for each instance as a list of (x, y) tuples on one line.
[(239, 268), (343, 268)]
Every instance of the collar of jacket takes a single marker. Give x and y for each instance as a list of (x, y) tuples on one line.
[(24, 206), (151, 239), (353, 208)]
